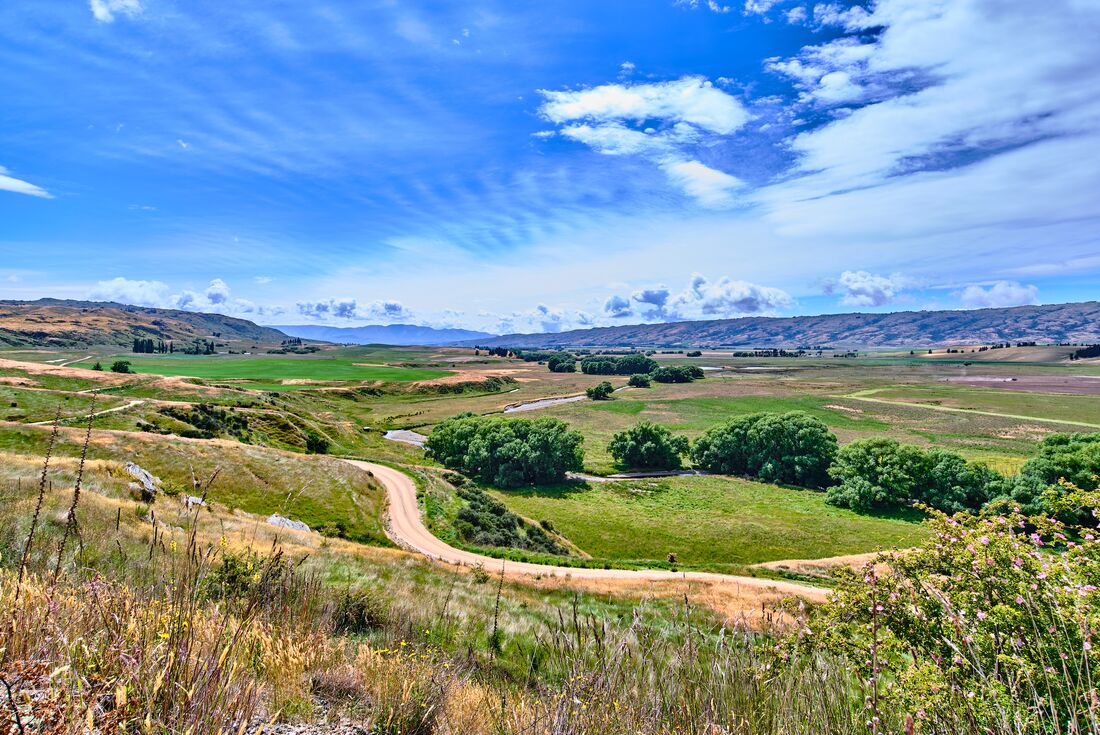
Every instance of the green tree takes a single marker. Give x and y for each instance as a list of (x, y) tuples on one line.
[(98, 366), (881, 474), (648, 446), (120, 366), (601, 391), (676, 374), (561, 362), (316, 444), (1073, 458), (507, 452), (639, 381), (792, 448)]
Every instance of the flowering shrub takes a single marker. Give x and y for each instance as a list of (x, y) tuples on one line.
[(992, 627)]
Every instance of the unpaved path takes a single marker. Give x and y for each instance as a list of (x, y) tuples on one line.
[(408, 530), (73, 362), (84, 417)]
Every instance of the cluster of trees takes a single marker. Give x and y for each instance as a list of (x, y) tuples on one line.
[(648, 446), (792, 448), (880, 474), (676, 374), (1085, 353), (639, 381), (631, 364), (148, 346), (200, 347), (118, 366), (561, 362), (507, 452), (600, 392)]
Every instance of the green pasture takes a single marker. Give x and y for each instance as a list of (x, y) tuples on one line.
[(706, 521)]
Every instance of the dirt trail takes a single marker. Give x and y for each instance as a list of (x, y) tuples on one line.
[(407, 529), (864, 395)]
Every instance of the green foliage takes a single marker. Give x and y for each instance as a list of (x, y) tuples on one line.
[(881, 474), (600, 392), (561, 362), (507, 452), (98, 366), (989, 628), (484, 521), (120, 366), (316, 444), (1074, 458), (792, 448), (639, 381), (631, 364), (648, 446), (209, 421), (676, 374)]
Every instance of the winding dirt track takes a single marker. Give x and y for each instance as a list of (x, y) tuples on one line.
[(408, 530)]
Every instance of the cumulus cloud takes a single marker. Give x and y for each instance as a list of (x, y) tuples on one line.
[(18, 186), (136, 292), (701, 299), (999, 294), (216, 297), (678, 116), (617, 307), (349, 308), (105, 10), (860, 288)]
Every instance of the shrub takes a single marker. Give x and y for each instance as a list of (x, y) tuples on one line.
[(600, 392), (988, 628), (507, 452), (648, 446), (881, 474), (639, 381), (793, 448), (120, 366), (316, 444)]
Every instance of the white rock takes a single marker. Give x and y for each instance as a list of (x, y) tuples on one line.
[(277, 520)]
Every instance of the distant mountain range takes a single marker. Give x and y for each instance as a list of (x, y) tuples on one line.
[(1048, 323), (65, 323), (385, 334)]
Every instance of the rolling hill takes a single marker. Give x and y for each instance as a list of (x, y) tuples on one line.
[(1076, 323), (65, 323), (387, 334)]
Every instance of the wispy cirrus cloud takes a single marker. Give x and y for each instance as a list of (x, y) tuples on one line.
[(18, 186)]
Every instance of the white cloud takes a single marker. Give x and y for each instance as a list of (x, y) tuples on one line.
[(711, 5), (106, 10), (711, 187), (136, 292), (692, 100), (10, 183), (215, 298), (679, 115), (1001, 293), (860, 288), (384, 311), (701, 299), (262, 280)]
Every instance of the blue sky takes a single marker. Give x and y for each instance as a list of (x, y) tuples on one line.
[(540, 166)]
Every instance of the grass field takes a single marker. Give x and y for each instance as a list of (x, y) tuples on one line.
[(706, 521), (267, 368)]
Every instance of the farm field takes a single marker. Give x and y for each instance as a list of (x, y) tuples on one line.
[(706, 521), (350, 396)]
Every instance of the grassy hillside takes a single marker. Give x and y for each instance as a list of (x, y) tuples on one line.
[(62, 323), (1048, 323)]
